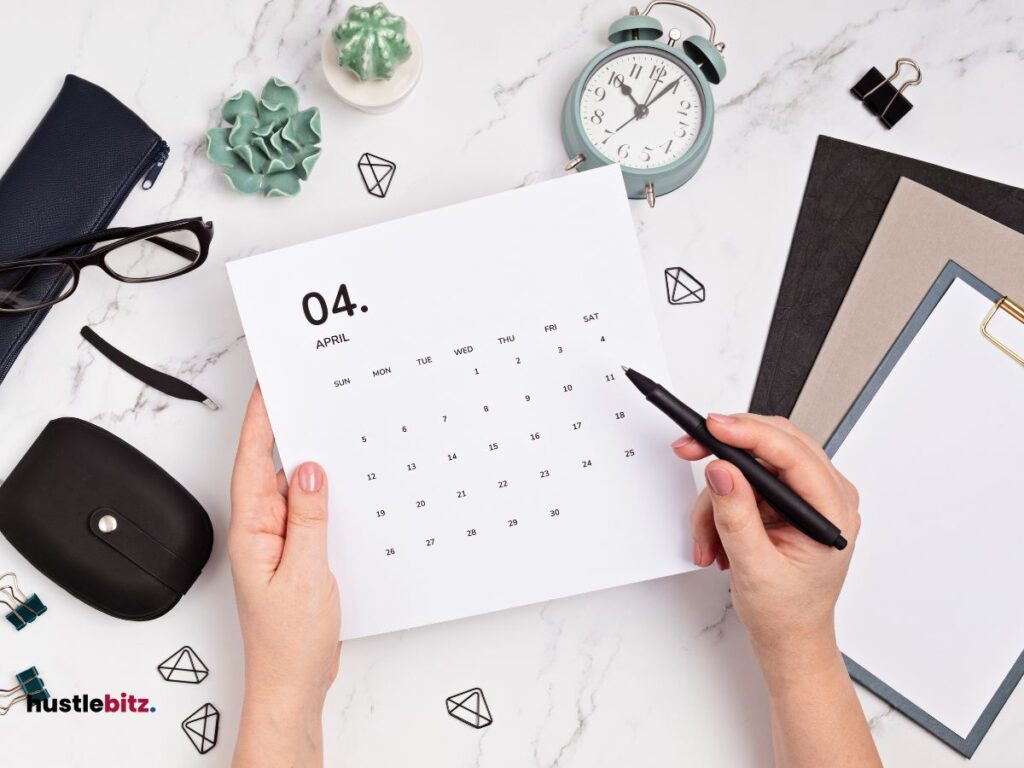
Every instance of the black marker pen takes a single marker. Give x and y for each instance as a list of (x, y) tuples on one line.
[(780, 496)]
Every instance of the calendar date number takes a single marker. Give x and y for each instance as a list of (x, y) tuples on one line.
[(314, 306)]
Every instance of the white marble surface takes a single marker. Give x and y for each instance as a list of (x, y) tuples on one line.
[(654, 674)]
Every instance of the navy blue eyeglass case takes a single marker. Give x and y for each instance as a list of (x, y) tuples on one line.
[(70, 178)]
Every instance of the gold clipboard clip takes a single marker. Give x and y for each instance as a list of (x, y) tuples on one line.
[(1014, 310)]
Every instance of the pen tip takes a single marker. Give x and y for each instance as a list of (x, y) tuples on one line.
[(625, 369), (211, 405)]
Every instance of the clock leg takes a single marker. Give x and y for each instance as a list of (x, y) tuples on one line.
[(575, 162), (649, 191)]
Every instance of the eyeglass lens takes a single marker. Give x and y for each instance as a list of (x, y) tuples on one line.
[(28, 287), (159, 257)]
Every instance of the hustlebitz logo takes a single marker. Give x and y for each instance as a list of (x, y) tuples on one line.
[(125, 704)]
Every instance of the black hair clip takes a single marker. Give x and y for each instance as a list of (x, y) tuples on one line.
[(158, 380), (880, 95)]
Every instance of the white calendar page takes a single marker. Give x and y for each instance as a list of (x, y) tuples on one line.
[(463, 391)]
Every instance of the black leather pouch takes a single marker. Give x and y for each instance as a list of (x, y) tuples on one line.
[(70, 178), (104, 522)]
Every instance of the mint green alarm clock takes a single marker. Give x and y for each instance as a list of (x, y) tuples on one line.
[(645, 104)]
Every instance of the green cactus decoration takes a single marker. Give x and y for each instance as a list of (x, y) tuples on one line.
[(371, 42), (270, 145)]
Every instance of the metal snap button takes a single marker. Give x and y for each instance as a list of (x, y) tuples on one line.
[(107, 524)]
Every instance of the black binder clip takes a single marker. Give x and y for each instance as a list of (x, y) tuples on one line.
[(880, 95), (30, 688), (24, 609)]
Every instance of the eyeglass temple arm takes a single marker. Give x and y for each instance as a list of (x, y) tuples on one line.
[(67, 245), (176, 248), (107, 234)]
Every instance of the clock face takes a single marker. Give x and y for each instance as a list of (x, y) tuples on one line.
[(641, 108)]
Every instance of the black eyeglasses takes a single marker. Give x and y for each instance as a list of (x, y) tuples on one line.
[(129, 254)]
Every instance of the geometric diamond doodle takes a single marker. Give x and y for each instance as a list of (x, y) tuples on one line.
[(470, 707), (183, 666), (682, 287), (201, 728), (377, 174)]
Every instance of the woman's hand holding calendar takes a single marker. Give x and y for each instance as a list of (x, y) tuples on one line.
[(785, 585), (287, 598)]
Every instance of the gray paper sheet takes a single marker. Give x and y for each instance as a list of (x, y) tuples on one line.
[(919, 233)]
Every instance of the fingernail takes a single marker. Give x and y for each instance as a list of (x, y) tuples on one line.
[(311, 477), (698, 556), (682, 442), (721, 418), (720, 481)]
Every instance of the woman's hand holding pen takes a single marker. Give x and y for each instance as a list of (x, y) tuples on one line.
[(785, 585)]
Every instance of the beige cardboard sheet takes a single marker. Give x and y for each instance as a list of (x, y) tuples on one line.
[(920, 231)]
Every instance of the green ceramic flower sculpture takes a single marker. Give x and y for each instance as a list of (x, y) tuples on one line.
[(371, 42), (270, 145)]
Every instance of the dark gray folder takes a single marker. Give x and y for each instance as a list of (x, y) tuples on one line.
[(847, 191)]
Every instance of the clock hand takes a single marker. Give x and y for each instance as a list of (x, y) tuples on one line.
[(639, 110), (627, 91), (647, 101), (636, 114), (664, 90)]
